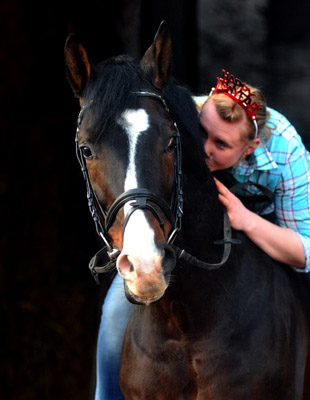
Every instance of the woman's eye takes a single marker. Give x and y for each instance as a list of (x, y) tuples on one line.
[(220, 143), (86, 152)]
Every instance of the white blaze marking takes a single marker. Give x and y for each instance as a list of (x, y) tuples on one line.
[(138, 236), (135, 122)]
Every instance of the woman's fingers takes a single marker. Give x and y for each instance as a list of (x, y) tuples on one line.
[(224, 200), (222, 188)]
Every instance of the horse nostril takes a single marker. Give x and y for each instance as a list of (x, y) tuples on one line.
[(124, 265)]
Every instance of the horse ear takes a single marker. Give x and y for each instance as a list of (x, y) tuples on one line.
[(156, 62), (78, 67)]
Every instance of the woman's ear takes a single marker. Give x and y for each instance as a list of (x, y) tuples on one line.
[(251, 148)]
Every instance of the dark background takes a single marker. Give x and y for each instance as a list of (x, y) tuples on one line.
[(50, 304)]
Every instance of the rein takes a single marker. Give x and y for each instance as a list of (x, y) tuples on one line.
[(142, 198)]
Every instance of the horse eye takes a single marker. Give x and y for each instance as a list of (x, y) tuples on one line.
[(86, 152)]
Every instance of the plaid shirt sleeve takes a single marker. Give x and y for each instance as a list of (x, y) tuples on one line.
[(283, 166), (292, 196)]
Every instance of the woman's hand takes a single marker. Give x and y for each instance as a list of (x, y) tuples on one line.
[(238, 214), (282, 244)]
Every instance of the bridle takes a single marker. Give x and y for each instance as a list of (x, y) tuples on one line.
[(140, 198), (144, 199)]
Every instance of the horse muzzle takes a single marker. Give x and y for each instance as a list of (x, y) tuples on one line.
[(146, 276)]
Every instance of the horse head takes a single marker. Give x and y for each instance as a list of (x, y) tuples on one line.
[(127, 142)]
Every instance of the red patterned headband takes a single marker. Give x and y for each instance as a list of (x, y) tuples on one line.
[(239, 92)]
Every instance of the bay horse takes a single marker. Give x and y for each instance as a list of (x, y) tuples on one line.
[(215, 317)]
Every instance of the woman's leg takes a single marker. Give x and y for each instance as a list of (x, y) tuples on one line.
[(116, 311)]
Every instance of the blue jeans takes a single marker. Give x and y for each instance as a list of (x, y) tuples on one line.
[(116, 311)]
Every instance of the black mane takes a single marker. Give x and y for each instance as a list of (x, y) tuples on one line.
[(183, 107)]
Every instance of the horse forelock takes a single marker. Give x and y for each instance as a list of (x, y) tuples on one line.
[(110, 91)]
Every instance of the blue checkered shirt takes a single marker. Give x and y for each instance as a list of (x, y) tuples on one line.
[(283, 166)]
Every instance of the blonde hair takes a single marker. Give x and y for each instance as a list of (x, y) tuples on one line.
[(231, 111)]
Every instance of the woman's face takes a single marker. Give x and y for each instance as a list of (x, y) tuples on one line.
[(223, 142)]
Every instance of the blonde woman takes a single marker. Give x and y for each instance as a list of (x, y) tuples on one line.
[(257, 144)]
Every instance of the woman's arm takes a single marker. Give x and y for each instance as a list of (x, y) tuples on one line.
[(281, 244)]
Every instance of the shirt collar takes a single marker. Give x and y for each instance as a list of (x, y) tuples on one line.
[(260, 160)]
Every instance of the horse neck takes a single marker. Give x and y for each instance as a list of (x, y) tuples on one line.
[(189, 300)]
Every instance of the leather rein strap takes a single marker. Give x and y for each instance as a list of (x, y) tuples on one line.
[(227, 242)]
